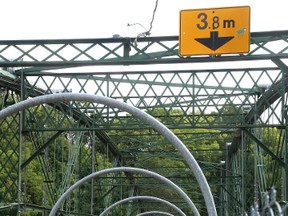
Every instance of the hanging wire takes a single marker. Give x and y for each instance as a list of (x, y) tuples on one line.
[(146, 32), (153, 16)]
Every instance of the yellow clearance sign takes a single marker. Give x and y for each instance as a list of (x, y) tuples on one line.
[(214, 31)]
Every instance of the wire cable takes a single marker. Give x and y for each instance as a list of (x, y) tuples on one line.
[(153, 17), (147, 32)]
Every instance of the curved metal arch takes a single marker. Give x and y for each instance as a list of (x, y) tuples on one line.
[(271, 95), (124, 169), (162, 129), (155, 212), (142, 198)]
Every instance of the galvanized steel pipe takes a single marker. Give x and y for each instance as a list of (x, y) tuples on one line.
[(155, 212), (142, 198), (162, 129), (124, 169)]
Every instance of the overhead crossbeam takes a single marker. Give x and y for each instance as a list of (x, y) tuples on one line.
[(120, 51)]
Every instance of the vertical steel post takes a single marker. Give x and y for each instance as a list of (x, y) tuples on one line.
[(285, 191), (243, 170), (21, 125), (227, 174), (93, 169)]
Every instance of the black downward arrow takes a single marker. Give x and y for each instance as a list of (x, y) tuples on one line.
[(214, 41)]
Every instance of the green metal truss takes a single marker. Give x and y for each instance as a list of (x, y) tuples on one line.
[(123, 51), (198, 98)]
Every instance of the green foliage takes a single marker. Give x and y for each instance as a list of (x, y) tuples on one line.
[(8, 160), (142, 148), (146, 149), (32, 181)]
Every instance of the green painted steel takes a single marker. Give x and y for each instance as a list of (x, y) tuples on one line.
[(208, 98), (121, 51)]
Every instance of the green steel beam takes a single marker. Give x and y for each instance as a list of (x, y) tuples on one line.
[(13, 83), (276, 91), (118, 51), (195, 96), (264, 147), (187, 93), (39, 150)]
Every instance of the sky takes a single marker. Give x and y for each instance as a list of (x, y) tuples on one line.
[(64, 19)]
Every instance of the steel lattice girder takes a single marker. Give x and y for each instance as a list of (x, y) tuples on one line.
[(195, 94), (189, 90), (122, 51)]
